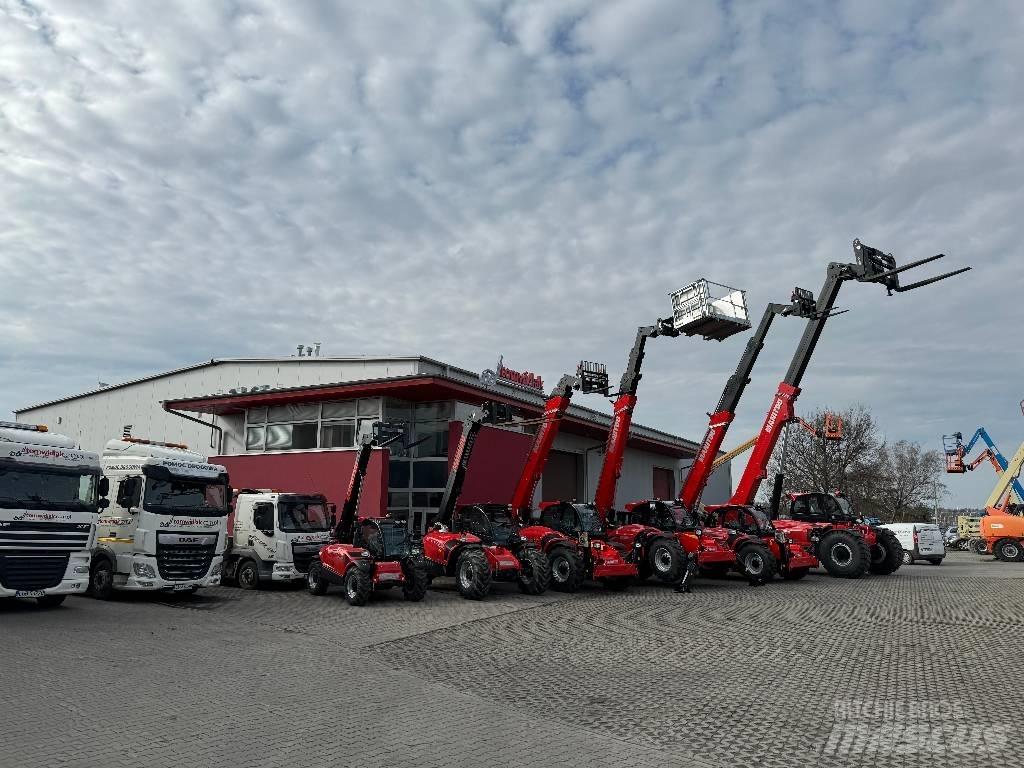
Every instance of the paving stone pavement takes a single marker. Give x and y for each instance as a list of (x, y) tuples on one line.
[(727, 676)]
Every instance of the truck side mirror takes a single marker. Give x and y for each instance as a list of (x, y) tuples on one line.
[(104, 488), (103, 503), (263, 516), (332, 514)]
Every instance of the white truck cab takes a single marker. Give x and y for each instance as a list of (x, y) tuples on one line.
[(275, 536), (48, 508), (166, 527)]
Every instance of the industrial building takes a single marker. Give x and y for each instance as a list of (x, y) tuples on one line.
[(293, 424)]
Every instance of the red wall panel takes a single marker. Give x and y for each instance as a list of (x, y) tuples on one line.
[(326, 472), (499, 457)]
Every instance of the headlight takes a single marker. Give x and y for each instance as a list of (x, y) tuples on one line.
[(416, 550), (698, 532), (217, 569), (523, 538), (81, 569), (282, 567), (144, 570), (363, 553)]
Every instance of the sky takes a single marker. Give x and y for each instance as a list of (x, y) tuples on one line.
[(188, 180)]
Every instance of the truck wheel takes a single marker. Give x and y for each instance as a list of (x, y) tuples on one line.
[(534, 572), (907, 557), (1008, 550), (617, 583), (473, 575), (978, 546), (756, 562), (248, 575), (795, 574), (887, 553), (415, 587), (845, 555), (666, 560), (568, 570), (316, 584), (51, 601), (358, 585), (101, 579)]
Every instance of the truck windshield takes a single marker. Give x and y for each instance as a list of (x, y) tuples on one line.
[(197, 497), (845, 507), (49, 488), (590, 521), (302, 516)]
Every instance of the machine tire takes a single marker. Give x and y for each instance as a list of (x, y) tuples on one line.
[(358, 585), (247, 575), (844, 554), (568, 571), (473, 574), (50, 601), (617, 583), (101, 579), (1008, 550), (415, 587), (886, 554), (978, 546), (757, 562), (666, 560), (795, 574), (316, 584), (534, 572)]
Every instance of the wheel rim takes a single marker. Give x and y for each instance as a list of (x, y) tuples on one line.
[(879, 553), (350, 586), (101, 577), (755, 564), (1011, 551), (467, 573), (662, 560), (311, 578), (246, 577), (560, 570), (841, 554)]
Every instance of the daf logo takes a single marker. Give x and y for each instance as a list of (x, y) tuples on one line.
[(188, 540)]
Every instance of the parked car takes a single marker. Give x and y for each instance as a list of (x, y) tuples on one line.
[(951, 537), (920, 541)]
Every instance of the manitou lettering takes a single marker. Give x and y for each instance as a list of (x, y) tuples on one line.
[(773, 416)]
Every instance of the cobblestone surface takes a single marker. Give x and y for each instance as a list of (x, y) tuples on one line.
[(727, 676)]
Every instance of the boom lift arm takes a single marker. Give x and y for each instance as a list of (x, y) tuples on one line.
[(956, 451), (1003, 484), (871, 266), (801, 305), (460, 466)]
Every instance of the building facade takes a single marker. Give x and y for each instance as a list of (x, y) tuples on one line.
[(294, 424)]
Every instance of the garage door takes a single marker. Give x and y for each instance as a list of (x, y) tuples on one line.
[(563, 477), (664, 483)]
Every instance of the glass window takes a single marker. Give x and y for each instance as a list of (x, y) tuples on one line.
[(304, 436), (279, 437), (294, 412), (436, 444), (257, 415), (433, 411), (398, 499), (398, 473), (345, 410), (429, 474), (398, 410), (254, 438), (369, 406), (340, 434), (427, 499)]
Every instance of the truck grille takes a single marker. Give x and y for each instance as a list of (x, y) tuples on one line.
[(32, 570), (24, 536), (303, 554), (183, 562)]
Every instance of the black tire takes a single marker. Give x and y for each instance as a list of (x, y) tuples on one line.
[(667, 560), (617, 583), (844, 554), (358, 585), (247, 575), (795, 574), (978, 546), (757, 562), (51, 601), (1008, 550), (534, 572), (101, 579), (568, 571), (316, 584), (935, 560), (886, 553), (415, 587), (473, 574), (907, 558)]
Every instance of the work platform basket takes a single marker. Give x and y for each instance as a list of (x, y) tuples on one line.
[(711, 310)]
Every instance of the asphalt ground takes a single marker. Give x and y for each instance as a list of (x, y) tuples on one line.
[(917, 668)]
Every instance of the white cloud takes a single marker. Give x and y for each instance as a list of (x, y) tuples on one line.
[(185, 181)]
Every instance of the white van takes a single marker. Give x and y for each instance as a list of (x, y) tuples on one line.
[(920, 541)]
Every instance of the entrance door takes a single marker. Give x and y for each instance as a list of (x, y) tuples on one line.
[(664, 483), (563, 477)]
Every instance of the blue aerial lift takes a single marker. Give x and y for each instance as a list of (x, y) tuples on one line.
[(956, 451)]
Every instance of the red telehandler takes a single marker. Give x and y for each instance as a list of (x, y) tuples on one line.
[(373, 553), (845, 546), (750, 544)]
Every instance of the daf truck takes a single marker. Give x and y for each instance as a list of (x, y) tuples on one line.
[(49, 500), (274, 537), (166, 528)]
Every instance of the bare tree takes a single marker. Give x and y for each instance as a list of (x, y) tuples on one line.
[(911, 482)]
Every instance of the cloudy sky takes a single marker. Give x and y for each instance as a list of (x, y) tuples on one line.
[(181, 181)]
